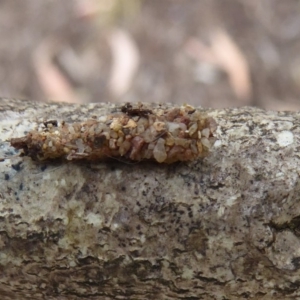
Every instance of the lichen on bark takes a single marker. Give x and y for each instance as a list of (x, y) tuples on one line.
[(222, 227)]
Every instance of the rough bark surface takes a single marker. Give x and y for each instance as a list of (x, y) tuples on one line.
[(223, 227)]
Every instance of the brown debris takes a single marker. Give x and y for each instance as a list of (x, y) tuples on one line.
[(134, 132)]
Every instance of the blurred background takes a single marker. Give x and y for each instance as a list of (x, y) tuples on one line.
[(207, 53)]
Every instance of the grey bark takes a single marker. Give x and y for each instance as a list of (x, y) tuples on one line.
[(223, 227)]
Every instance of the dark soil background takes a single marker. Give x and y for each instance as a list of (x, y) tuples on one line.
[(211, 53)]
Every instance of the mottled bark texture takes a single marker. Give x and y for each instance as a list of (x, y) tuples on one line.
[(223, 227)]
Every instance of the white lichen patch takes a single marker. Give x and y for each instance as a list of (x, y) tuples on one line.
[(269, 124), (221, 211), (231, 200), (142, 238), (279, 174), (115, 226), (285, 138), (218, 143), (72, 263), (239, 131), (63, 182), (110, 206), (46, 176), (187, 273), (94, 219), (250, 170)]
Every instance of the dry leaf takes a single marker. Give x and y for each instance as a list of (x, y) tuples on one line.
[(125, 63), (54, 84), (224, 53)]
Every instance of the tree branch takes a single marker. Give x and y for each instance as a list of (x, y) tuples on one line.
[(223, 227)]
